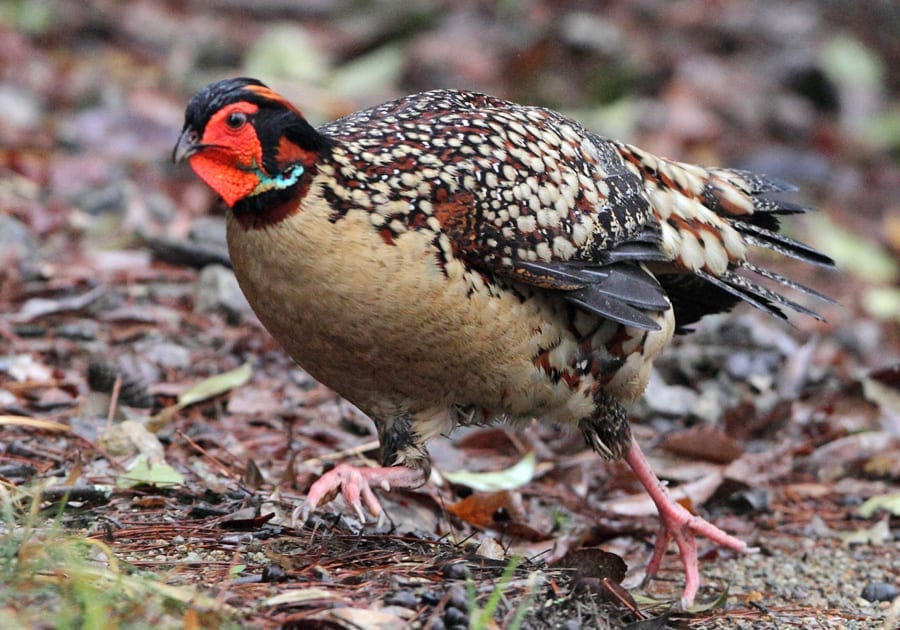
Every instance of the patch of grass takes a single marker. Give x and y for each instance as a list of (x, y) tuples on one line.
[(482, 618), (53, 579)]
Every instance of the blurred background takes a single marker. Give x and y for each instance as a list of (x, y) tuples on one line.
[(92, 95), (110, 255)]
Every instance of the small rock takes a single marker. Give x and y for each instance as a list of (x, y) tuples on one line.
[(879, 592), (406, 599), (458, 598), (53, 398), (744, 365), (588, 30), (16, 240), (7, 400), (455, 616), (109, 199), (81, 330), (209, 231), (675, 400), (21, 109), (273, 573), (165, 354), (218, 292), (455, 571), (430, 598)]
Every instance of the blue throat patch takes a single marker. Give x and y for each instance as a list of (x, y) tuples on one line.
[(281, 181)]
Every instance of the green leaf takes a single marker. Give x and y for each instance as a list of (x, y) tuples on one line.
[(890, 503), (288, 50), (144, 473), (847, 60), (514, 477), (862, 256), (882, 302), (215, 385), (878, 534), (369, 73), (703, 607)]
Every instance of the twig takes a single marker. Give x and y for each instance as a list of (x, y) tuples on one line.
[(329, 457)]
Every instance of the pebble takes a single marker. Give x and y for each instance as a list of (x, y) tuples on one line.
[(879, 592), (430, 598), (455, 571), (675, 400), (458, 599), (79, 330), (273, 573), (217, 291), (165, 354), (406, 599), (454, 616), (16, 239)]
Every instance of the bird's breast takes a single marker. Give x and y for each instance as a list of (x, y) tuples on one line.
[(389, 324)]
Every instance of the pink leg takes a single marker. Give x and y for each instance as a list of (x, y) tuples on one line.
[(678, 524), (355, 484)]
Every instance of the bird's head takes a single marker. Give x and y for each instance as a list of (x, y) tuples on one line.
[(247, 142)]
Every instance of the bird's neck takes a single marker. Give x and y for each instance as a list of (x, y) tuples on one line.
[(268, 209)]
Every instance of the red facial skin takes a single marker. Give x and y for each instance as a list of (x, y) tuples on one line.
[(231, 157)]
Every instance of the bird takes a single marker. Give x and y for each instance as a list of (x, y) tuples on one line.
[(450, 258)]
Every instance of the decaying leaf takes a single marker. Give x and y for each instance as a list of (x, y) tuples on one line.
[(204, 390), (216, 385), (304, 597), (34, 423), (890, 503), (485, 510), (513, 477), (705, 443), (151, 474)]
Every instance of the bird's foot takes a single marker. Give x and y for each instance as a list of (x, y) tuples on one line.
[(677, 524), (355, 485)]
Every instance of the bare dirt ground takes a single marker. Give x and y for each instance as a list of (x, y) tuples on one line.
[(138, 391)]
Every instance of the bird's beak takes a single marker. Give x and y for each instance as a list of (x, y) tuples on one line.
[(188, 145)]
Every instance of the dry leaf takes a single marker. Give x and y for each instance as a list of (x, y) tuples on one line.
[(703, 442)]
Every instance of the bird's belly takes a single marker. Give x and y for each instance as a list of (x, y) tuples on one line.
[(385, 327)]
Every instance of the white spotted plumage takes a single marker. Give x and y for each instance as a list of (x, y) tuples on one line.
[(452, 258)]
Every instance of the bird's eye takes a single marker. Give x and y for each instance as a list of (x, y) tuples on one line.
[(236, 120)]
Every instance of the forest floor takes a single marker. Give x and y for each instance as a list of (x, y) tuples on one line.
[(155, 441)]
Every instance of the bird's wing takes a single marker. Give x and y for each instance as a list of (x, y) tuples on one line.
[(557, 206), (525, 194), (541, 201)]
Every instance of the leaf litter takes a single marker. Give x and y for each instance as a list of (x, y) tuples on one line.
[(788, 438)]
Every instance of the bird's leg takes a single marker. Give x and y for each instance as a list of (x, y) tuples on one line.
[(678, 524), (355, 485)]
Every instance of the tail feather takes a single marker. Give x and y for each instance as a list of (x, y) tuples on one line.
[(710, 218), (762, 237), (767, 296), (780, 279), (745, 293)]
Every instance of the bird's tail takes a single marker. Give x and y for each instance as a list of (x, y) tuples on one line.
[(709, 220)]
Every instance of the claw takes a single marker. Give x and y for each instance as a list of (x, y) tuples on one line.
[(355, 485), (677, 524)]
